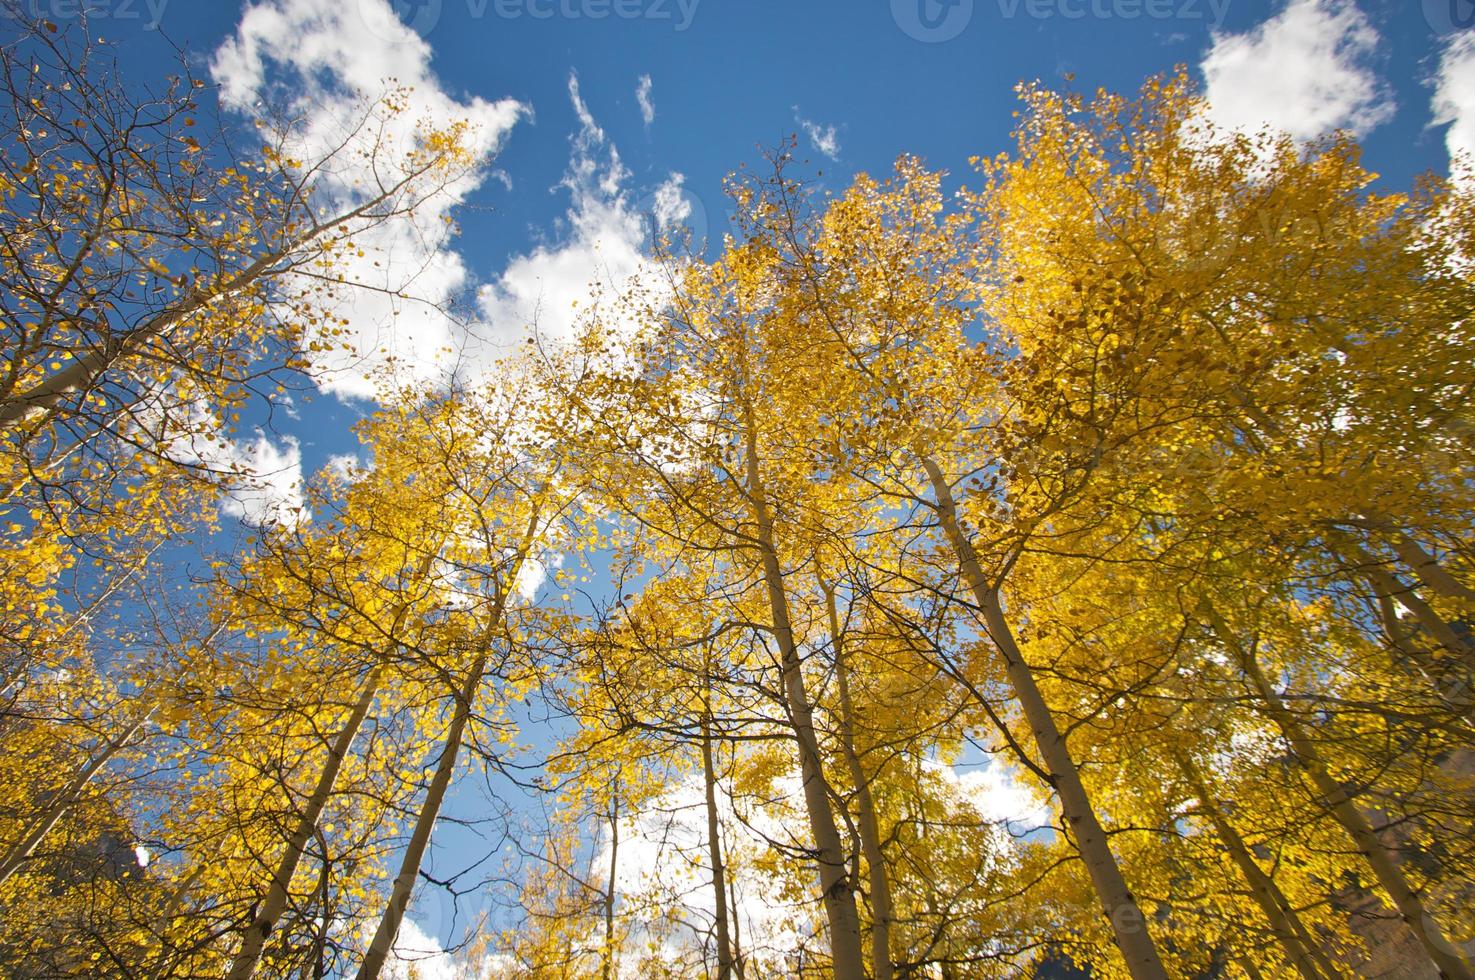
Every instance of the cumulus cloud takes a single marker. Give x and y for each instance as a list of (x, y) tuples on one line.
[(999, 797), (1306, 71), (328, 63), (416, 954), (642, 95), (1454, 94), (266, 485), (261, 479), (324, 57), (664, 859), (825, 139)]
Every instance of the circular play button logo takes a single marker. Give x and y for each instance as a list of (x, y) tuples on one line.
[(932, 21), (388, 19)]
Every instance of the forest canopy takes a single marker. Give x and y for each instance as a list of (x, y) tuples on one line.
[(1065, 565)]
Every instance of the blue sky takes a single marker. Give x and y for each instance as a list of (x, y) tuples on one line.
[(859, 82), (595, 120)]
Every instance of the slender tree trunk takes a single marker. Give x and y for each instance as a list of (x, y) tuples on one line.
[(409, 869), (737, 929), (1434, 624), (270, 910), (883, 913), (243, 967), (1429, 570), (20, 852), (607, 968), (1385, 583), (1445, 682), (1127, 921), (1402, 640), (1300, 949), (1441, 951), (714, 837), (837, 889), (320, 937)]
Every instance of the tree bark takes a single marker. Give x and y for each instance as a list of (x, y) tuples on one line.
[(409, 870), (1428, 569), (1440, 950), (1128, 924), (1442, 632), (253, 944), (270, 910), (1384, 583), (607, 966), (837, 890), (714, 837), (883, 913), (1299, 947)]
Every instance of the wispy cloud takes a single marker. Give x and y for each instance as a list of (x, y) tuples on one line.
[(825, 139), (544, 292), (643, 96)]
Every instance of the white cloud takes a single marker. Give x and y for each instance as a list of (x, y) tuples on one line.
[(824, 138), (1304, 71), (1454, 94), (670, 205), (348, 467), (533, 574), (642, 95), (664, 859), (330, 60), (998, 796), (326, 55), (261, 479), (417, 954), (544, 292), (265, 485)]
